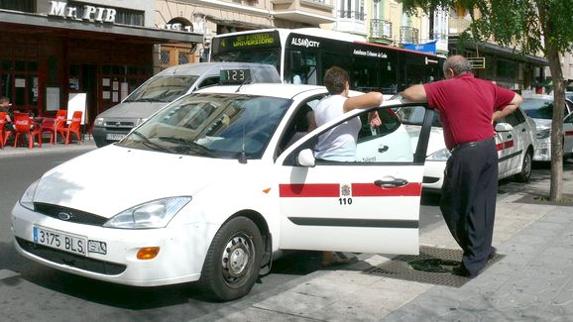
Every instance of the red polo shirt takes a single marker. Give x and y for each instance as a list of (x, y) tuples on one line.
[(466, 105)]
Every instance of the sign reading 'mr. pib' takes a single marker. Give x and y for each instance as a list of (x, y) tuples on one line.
[(85, 12)]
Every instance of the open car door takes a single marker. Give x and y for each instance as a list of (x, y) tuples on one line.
[(370, 205)]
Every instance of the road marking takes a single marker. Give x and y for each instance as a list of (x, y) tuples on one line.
[(5, 273)]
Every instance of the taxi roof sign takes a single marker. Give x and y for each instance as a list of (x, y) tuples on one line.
[(235, 76)]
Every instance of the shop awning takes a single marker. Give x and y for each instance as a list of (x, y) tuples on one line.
[(506, 52), (158, 35)]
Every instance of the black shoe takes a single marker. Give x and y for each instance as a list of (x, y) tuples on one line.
[(461, 270), (492, 253)]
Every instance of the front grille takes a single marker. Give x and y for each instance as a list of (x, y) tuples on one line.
[(75, 216), (61, 257), (119, 124)]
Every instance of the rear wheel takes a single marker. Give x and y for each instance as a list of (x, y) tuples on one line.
[(525, 173), (233, 261)]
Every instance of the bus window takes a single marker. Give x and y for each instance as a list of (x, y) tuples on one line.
[(302, 67)]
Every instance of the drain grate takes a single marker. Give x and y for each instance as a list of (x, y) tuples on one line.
[(432, 266)]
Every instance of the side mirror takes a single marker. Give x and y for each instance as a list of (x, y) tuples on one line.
[(306, 158), (503, 127)]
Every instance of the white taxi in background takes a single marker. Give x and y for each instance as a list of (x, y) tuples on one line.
[(215, 183), (540, 109), (515, 143)]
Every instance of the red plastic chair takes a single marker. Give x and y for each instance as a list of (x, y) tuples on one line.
[(74, 127), (60, 125), (49, 126), (24, 126), (4, 134)]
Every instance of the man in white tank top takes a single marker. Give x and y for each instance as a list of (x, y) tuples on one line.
[(339, 143)]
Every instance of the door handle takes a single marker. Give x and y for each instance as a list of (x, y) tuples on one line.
[(509, 136), (389, 183), (382, 148)]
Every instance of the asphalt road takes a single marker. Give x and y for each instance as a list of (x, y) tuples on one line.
[(31, 292)]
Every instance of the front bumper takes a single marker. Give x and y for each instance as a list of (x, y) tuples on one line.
[(102, 135), (542, 150), (179, 260), (433, 175)]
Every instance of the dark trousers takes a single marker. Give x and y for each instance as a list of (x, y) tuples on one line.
[(468, 200)]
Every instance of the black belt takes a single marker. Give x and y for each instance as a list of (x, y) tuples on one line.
[(471, 144)]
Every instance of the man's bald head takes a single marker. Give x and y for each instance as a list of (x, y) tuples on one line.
[(456, 65)]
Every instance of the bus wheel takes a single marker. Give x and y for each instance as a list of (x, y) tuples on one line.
[(233, 261), (525, 173)]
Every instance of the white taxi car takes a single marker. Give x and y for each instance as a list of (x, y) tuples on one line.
[(215, 183), (515, 143), (540, 109)]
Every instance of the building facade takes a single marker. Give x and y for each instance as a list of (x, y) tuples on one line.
[(52, 50), (504, 65)]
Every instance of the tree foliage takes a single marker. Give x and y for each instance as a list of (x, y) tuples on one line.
[(532, 27)]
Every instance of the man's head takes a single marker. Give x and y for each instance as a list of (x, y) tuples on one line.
[(456, 65), (336, 80), (4, 102)]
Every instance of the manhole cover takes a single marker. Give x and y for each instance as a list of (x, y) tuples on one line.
[(432, 266)]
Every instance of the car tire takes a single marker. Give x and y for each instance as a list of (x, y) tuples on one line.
[(233, 260), (526, 166)]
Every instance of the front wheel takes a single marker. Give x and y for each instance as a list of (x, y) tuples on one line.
[(233, 261), (525, 173)]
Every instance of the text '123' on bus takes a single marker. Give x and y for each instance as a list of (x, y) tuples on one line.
[(302, 56)]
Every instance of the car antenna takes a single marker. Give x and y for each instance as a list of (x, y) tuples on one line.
[(246, 81), (243, 156)]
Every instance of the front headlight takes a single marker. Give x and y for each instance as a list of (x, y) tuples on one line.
[(542, 134), (153, 214), (99, 121), (27, 199), (440, 155)]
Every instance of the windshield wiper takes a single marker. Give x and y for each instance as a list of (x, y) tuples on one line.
[(187, 145), (150, 144)]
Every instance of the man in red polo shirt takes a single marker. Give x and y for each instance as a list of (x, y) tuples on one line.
[(468, 108)]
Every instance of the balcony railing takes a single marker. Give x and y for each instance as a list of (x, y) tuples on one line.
[(458, 25), (356, 15), (409, 35), (381, 29)]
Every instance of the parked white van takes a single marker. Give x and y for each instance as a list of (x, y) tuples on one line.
[(113, 124)]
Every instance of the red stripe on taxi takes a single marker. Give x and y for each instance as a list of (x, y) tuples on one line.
[(309, 190), (358, 190), (568, 133), (372, 190), (504, 145)]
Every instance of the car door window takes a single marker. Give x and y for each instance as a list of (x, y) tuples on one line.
[(299, 124), (392, 142)]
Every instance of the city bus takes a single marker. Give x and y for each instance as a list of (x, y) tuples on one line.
[(301, 56)]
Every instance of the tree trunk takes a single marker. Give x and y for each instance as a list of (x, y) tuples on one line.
[(556, 188)]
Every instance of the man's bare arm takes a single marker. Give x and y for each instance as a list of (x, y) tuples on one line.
[(370, 99), (508, 109), (415, 93)]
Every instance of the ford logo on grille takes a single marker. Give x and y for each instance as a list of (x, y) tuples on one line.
[(64, 216)]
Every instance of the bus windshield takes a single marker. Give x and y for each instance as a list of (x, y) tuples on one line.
[(249, 48)]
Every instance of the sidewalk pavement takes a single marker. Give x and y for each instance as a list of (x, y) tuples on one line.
[(10, 151), (533, 280)]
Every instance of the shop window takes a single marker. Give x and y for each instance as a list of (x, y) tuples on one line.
[(19, 5), (165, 57), (183, 57)]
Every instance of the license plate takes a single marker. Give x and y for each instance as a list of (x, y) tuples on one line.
[(114, 136), (55, 239)]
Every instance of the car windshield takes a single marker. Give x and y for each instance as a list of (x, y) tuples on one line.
[(538, 108), (212, 125), (163, 88)]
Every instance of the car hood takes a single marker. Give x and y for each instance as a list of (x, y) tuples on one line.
[(542, 123), (134, 110), (112, 179)]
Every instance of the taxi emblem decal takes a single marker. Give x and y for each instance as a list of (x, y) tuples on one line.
[(345, 190)]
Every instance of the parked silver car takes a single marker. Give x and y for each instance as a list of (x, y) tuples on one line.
[(113, 124)]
